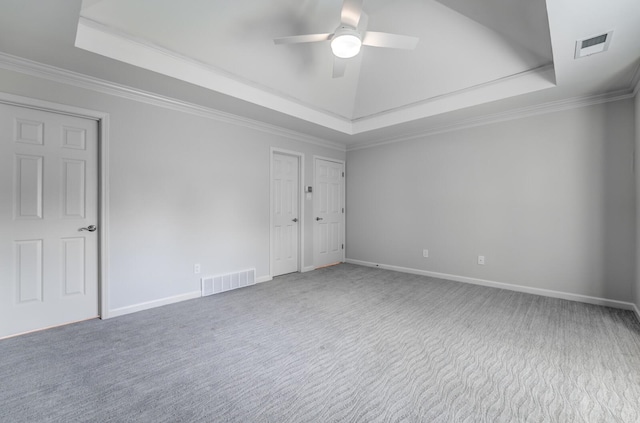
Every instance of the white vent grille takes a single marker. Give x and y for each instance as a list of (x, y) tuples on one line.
[(593, 45), (221, 283)]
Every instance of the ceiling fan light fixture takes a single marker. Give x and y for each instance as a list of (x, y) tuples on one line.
[(346, 43)]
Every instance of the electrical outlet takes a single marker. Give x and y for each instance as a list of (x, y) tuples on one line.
[(196, 268), (425, 253), (481, 260)]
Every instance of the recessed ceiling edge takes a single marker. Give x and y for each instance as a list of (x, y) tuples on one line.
[(97, 38)]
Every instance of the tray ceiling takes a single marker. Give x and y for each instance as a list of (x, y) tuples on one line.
[(469, 53)]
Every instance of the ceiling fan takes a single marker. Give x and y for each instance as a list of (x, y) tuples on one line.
[(347, 40)]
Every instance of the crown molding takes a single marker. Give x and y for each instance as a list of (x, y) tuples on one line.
[(109, 42), (531, 80), (539, 109), (64, 76)]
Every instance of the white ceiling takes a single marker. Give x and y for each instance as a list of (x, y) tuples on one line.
[(474, 58), (222, 46)]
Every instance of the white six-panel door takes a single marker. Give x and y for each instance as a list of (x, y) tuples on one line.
[(48, 193), (328, 213), (285, 213)]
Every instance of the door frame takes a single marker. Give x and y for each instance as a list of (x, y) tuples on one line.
[(300, 157), (102, 120), (344, 203)]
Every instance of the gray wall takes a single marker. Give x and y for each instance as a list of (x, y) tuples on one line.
[(637, 156), (183, 190), (549, 200)]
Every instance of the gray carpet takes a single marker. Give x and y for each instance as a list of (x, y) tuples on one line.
[(342, 344)]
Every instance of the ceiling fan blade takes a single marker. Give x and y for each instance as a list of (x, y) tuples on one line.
[(295, 39), (364, 22), (351, 11), (339, 66), (383, 39)]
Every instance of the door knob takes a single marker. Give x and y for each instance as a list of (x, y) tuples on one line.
[(295, 219), (318, 219), (90, 228)]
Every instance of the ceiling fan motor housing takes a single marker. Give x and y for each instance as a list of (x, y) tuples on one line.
[(346, 42)]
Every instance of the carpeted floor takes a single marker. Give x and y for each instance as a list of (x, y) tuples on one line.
[(342, 344)]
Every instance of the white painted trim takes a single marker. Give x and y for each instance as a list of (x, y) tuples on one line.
[(301, 220), (502, 285), (103, 173), (637, 311), (110, 42), (344, 204), (103, 179), (63, 76), (98, 38), (535, 110), (154, 303), (104, 209), (48, 106), (263, 279), (308, 269), (529, 81)]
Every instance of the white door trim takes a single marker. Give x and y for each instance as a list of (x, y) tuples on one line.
[(300, 156), (103, 180), (344, 200)]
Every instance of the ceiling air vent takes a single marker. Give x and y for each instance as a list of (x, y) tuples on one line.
[(593, 45)]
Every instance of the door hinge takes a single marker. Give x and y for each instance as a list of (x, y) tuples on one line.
[(343, 174), (343, 246), (343, 210)]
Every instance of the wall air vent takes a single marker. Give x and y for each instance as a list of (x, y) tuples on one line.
[(593, 45), (221, 283)]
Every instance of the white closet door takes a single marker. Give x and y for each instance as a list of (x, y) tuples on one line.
[(48, 193), (329, 213), (286, 219)]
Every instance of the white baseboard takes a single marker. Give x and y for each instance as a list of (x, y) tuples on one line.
[(153, 304), (165, 301), (307, 269), (635, 308), (502, 285), (266, 278)]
